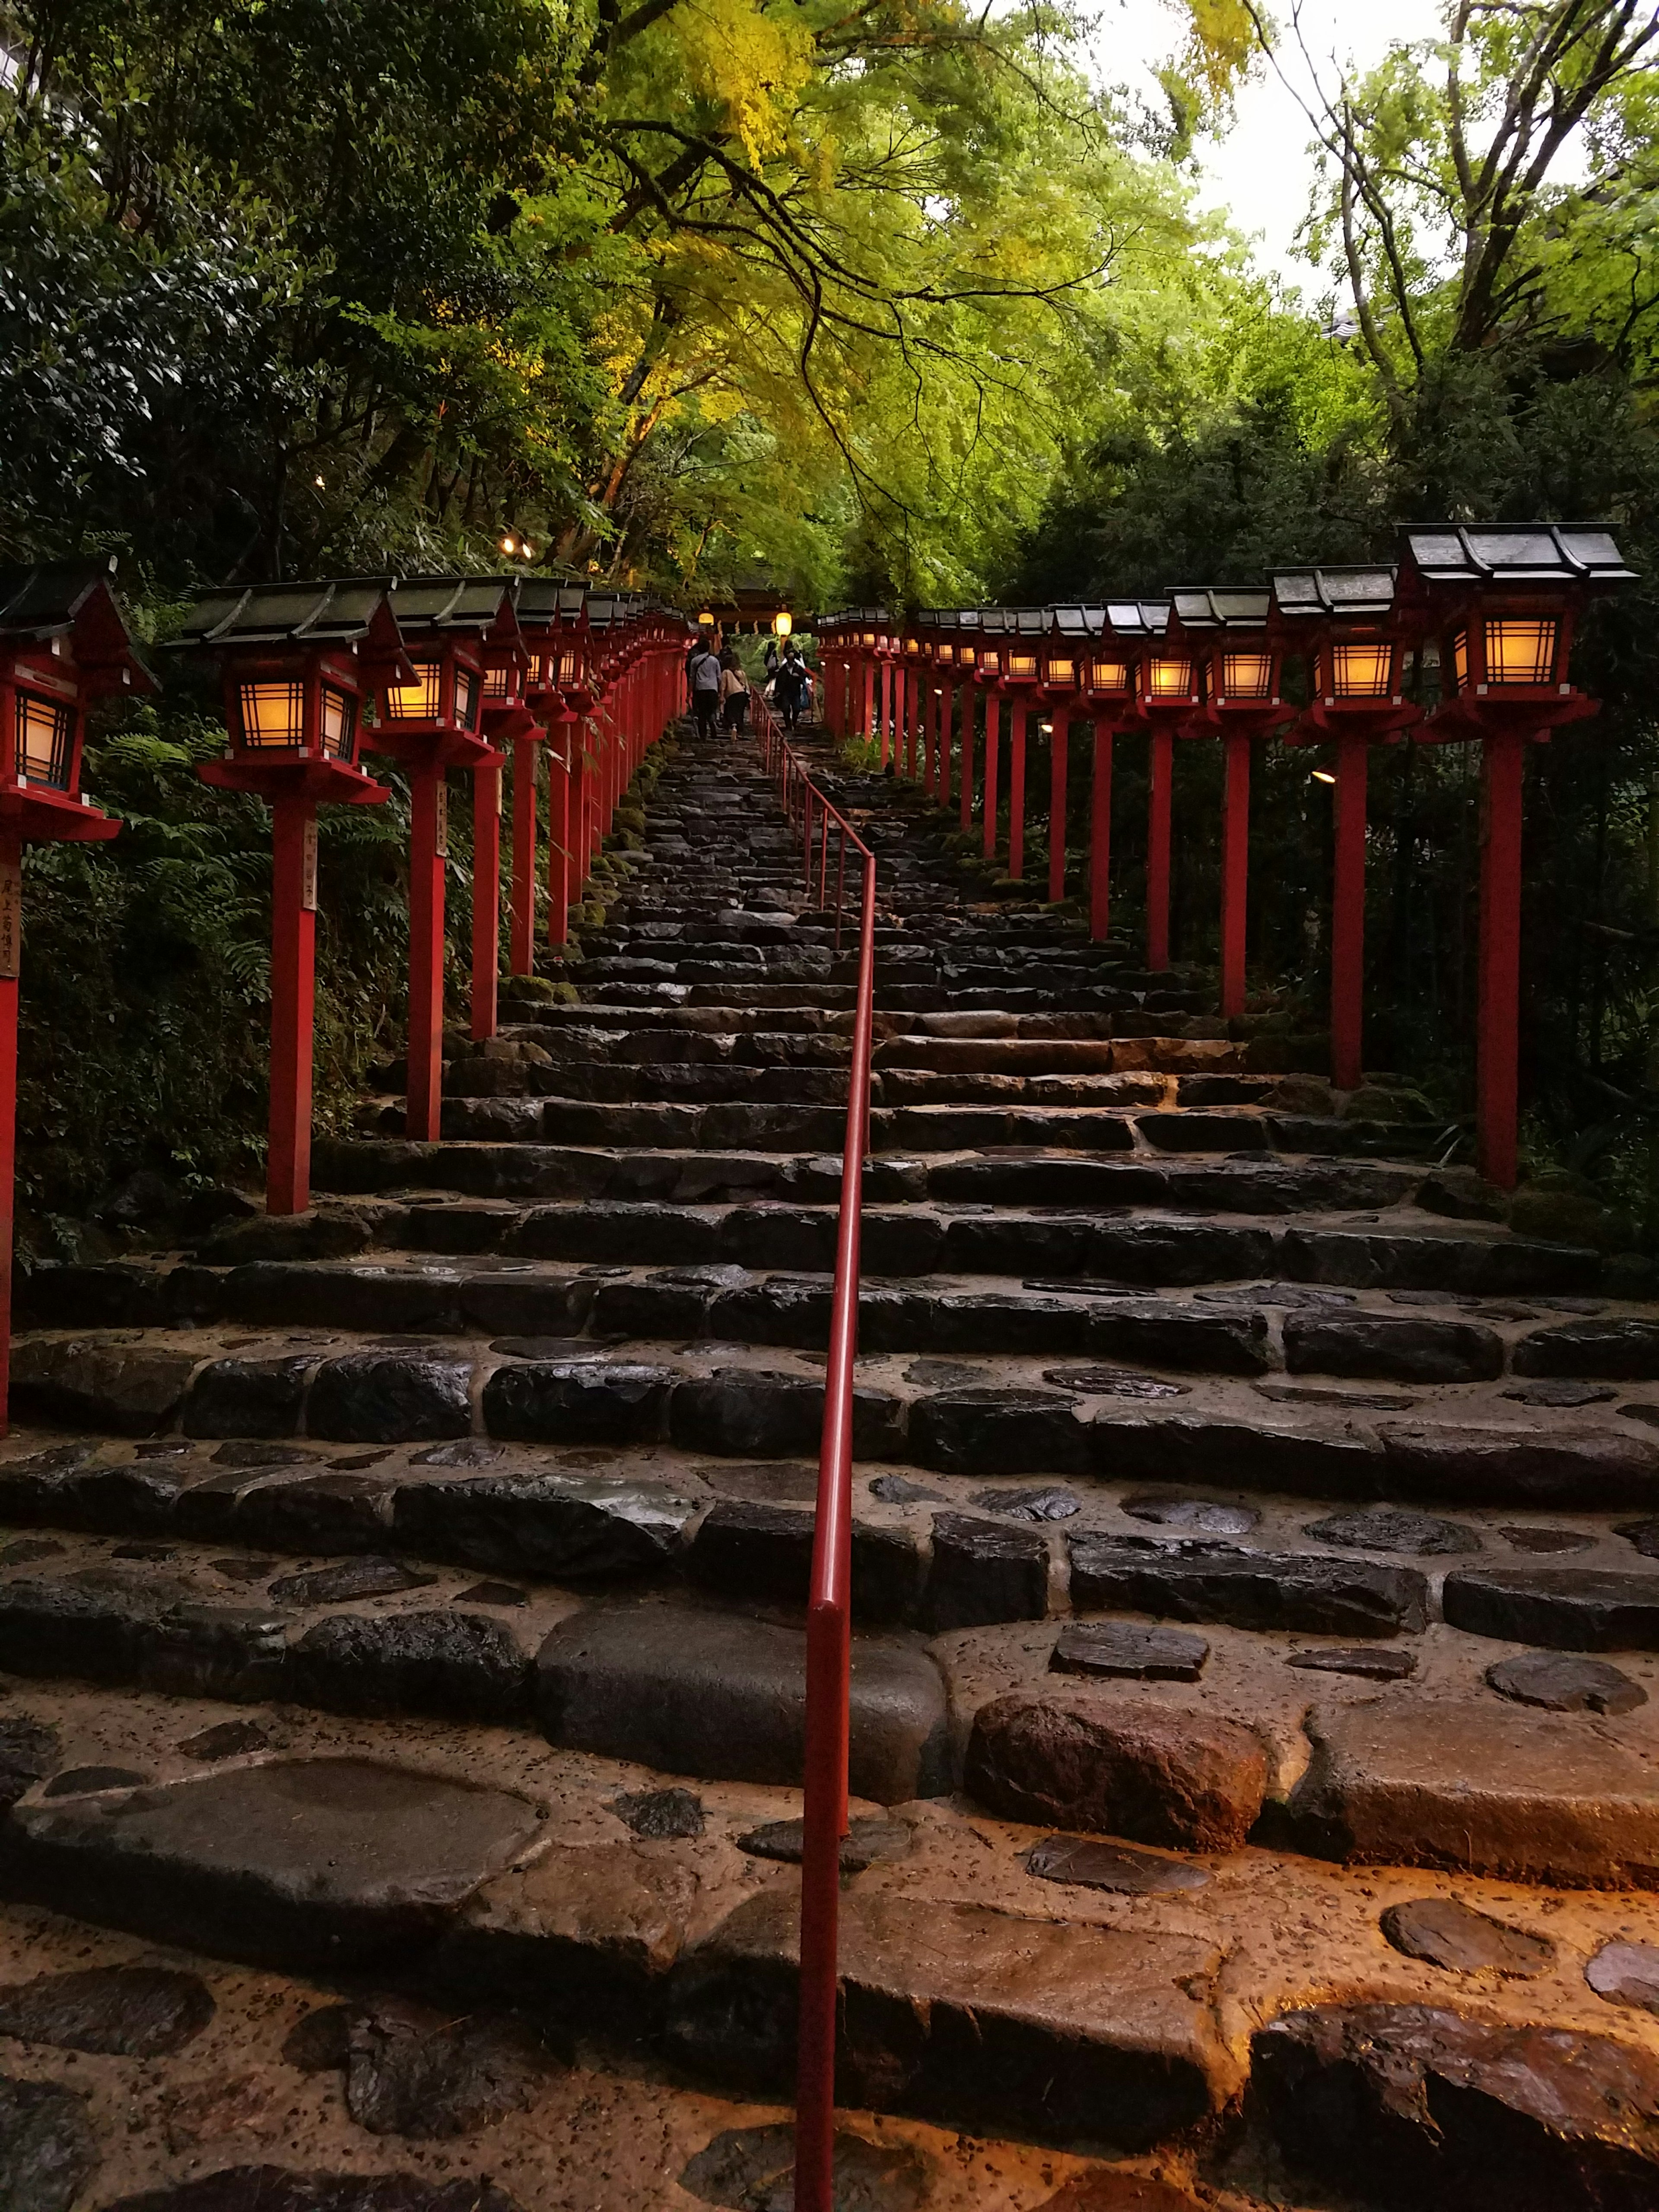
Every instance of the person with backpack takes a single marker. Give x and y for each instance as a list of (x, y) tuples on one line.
[(788, 686), (705, 674), (735, 693)]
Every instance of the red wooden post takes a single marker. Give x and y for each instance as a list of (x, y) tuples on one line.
[(946, 718), (563, 742), (1504, 763), (521, 935), (1157, 850), (486, 895), (429, 824), (893, 741), (1017, 790), (1058, 743), (293, 1001), (868, 721), (988, 804), (12, 919), (1348, 915), (1235, 871), (967, 700), (1100, 830), (929, 745)]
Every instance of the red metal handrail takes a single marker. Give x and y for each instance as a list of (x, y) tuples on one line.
[(829, 1617)]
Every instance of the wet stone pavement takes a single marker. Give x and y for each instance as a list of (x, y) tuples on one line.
[(1256, 1567)]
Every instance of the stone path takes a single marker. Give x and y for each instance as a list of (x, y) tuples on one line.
[(1256, 1697)]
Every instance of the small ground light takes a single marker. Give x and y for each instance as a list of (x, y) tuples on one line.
[(317, 481), (1323, 775), (509, 545)]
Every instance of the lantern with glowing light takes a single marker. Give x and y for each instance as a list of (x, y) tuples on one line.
[(1236, 670), (64, 643), (298, 663), (1504, 602), (1346, 626), (430, 720)]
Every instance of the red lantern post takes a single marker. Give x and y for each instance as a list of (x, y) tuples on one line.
[(967, 664), (1505, 601), (1226, 632), (1166, 698), (1022, 669), (1105, 642), (297, 661), (1346, 624), (1061, 679), (431, 722), (987, 674), (64, 642)]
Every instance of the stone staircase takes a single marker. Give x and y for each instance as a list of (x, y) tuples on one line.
[(1251, 1708)]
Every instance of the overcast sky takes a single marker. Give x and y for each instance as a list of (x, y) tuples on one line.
[(1261, 173)]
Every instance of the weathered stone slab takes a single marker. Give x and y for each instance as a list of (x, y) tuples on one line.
[(1120, 1648), (1567, 1608), (577, 1402), (449, 1664), (1480, 1789), (1454, 1935), (981, 1572), (763, 1552), (1118, 1764), (1366, 1345), (48, 2151), (1413, 2106), (567, 1526), (297, 1861), (380, 1397), (1562, 1684), (125, 1389), (723, 1695), (992, 1431), (1077, 1862), (247, 1398), (964, 2014), (1248, 1590), (766, 1414), (284, 2189), (1586, 1469), (1392, 1529), (1330, 1462), (129, 2012), (1622, 1351)]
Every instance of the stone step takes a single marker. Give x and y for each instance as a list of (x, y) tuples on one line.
[(1478, 1755), (727, 1283), (537, 1909)]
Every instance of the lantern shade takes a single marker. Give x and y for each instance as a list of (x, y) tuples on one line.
[(783, 623), (1168, 678), (46, 739), (1358, 670), (64, 642), (432, 709), (296, 660)]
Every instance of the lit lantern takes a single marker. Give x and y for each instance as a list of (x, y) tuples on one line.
[(1345, 623), (1504, 601), (64, 642), (783, 623), (1106, 644), (297, 663), (430, 719), (1237, 672)]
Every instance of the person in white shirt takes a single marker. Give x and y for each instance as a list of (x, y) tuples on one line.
[(735, 693), (706, 690)]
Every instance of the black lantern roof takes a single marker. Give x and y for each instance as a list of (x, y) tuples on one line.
[(1206, 608), (336, 613), (1127, 618), (47, 601), (1526, 553), (455, 603), (1352, 594), (75, 599)]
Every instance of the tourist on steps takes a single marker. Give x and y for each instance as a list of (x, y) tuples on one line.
[(789, 685), (706, 690), (735, 693)]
